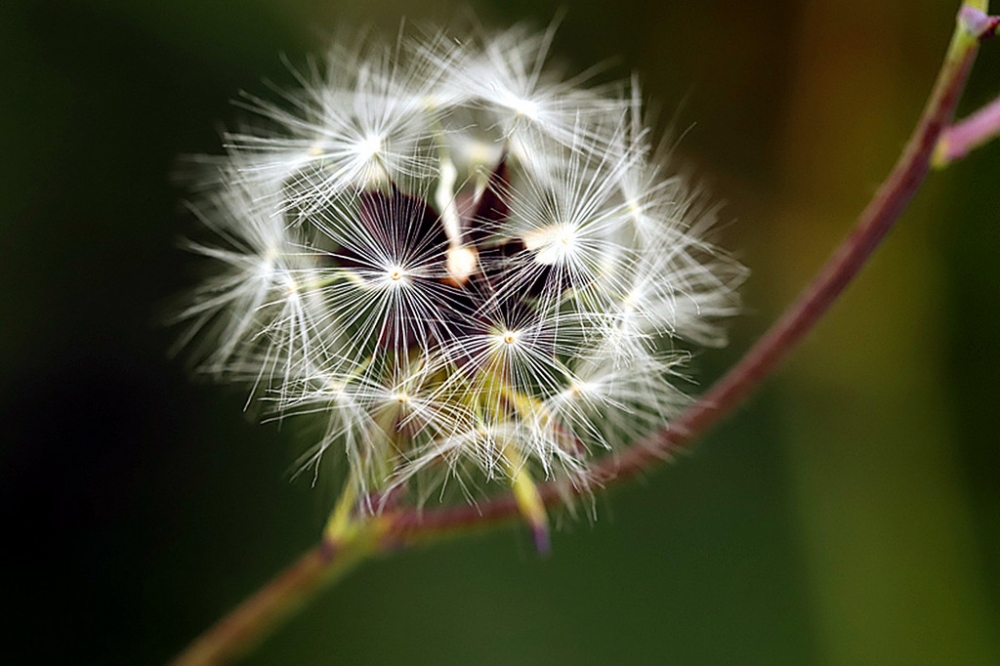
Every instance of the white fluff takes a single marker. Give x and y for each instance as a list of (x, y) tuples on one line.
[(461, 261)]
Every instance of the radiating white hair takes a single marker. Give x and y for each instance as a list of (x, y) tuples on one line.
[(465, 263)]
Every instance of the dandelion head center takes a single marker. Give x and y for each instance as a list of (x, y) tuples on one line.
[(396, 274), (552, 243), (523, 107), (369, 147)]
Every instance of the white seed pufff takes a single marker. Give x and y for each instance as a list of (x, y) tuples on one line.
[(577, 211), (374, 176), (523, 107), (369, 147), (552, 242)]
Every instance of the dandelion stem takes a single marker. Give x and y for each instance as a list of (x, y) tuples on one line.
[(843, 265), (764, 357), (253, 620), (260, 614)]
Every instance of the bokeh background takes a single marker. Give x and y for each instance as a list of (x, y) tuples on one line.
[(848, 514)]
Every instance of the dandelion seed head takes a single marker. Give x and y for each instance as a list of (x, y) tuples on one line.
[(468, 266)]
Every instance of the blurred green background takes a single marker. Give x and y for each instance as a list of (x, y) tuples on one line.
[(848, 514)]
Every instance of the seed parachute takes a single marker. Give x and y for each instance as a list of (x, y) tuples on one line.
[(472, 270)]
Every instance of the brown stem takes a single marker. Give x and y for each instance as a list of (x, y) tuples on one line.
[(250, 622), (972, 132), (764, 357), (258, 615)]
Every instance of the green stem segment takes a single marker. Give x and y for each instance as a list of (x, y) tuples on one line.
[(354, 541), (258, 616)]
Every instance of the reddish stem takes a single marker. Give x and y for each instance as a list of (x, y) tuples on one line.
[(972, 132), (763, 358)]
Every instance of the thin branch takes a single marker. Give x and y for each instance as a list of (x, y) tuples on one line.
[(763, 358), (254, 619), (962, 137)]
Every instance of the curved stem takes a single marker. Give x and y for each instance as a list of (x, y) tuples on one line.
[(254, 619), (763, 358), (261, 613)]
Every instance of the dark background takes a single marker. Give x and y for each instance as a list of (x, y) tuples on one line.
[(848, 514)]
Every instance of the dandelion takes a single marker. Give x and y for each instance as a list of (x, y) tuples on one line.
[(479, 275), (474, 270)]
